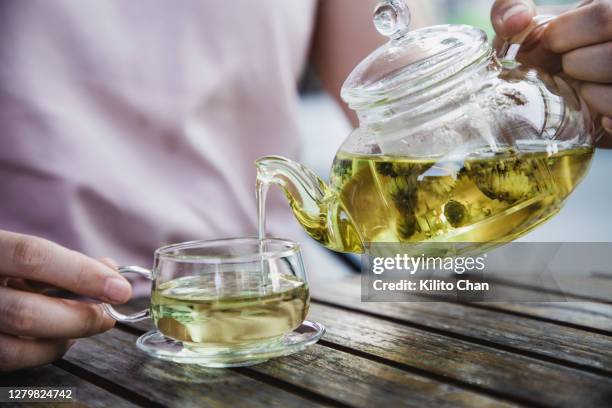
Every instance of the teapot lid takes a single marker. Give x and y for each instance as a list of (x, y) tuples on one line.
[(411, 60)]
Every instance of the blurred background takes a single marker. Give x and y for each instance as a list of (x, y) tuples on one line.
[(585, 217)]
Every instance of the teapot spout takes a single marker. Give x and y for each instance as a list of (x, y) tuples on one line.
[(315, 206)]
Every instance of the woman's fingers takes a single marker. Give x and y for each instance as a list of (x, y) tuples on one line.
[(510, 17), (32, 258), (605, 141), (598, 97), (606, 123), (536, 54), (586, 25), (17, 353), (592, 63), (35, 315), (34, 328)]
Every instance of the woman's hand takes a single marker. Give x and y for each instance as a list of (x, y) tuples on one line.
[(36, 329), (577, 43)]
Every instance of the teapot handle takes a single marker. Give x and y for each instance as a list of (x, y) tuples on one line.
[(511, 48)]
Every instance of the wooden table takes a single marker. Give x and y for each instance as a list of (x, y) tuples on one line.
[(374, 354)]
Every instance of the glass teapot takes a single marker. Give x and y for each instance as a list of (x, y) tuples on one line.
[(455, 144)]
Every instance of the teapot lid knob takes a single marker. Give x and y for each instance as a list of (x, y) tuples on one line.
[(392, 18)]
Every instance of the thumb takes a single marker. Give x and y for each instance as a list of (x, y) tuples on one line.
[(510, 17), (606, 123)]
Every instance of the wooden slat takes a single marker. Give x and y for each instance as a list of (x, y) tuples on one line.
[(574, 311), (595, 287), (584, 315), (531, 380), (587, 301), (113, 356), (589, 351), (348, 379), (86, 394), (360, 382), (591, 316), (524, 379)]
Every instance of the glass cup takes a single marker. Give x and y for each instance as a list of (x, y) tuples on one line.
[(229, 302)]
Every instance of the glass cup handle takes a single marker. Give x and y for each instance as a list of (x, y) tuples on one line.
[(511, 48), (135, 317)]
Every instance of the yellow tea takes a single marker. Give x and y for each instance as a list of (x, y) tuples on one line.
[(486, 197), (190, 309)]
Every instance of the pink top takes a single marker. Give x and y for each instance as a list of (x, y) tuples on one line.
[(129, 125)]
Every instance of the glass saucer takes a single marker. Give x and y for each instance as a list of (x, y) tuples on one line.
[(157, 345)]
